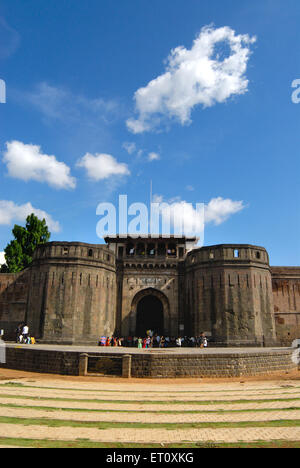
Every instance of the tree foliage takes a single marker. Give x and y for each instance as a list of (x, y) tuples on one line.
[(19, 252)]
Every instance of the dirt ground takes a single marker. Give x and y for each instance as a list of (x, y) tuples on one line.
[(6, 374)]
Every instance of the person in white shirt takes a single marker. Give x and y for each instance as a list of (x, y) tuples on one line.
[(25, 333)]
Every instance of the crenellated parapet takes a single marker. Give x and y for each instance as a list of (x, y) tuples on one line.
[(229, 254), (74, 253)]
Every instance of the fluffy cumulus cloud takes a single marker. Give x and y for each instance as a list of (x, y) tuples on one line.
[(10, 212), (193, 217), (184, 218), (211, 72), (27, 162), (220, 209), (102, 166)]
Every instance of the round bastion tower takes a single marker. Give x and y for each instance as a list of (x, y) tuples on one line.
[(228, 295), (72, 293)]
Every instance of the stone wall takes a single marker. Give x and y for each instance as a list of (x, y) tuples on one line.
[(42, 361), (156, 365), (212, 365), (286, 294), (13, 301)]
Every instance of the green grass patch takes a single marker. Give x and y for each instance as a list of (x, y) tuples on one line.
[(150, 412), (151, 402), (17, 384), (78, 444), (14, 384), (135, 425)]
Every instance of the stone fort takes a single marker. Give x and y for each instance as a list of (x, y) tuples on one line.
[(75, 292)]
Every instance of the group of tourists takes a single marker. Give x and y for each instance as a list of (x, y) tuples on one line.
[(111, 341), (154, 340), (22, 334)]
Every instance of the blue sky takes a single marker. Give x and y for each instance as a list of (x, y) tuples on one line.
[(95, 108)]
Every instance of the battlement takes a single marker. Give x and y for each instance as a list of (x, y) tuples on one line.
[(66, 252), (230, 254)]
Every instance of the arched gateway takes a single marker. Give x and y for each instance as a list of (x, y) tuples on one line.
[(151, 310)]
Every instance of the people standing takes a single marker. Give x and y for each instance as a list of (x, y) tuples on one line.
[(25, 333), (103, 341), (203, 341), (18, 333), (178, 342)]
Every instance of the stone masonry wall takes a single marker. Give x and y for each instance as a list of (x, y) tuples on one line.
[(286, 294), (13, 301), (206, 365), (165, 365)]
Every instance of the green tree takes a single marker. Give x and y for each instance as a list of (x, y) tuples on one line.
[(19, 252)]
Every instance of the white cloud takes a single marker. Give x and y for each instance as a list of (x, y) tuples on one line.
[(153, 157), (2, 258), (139, 126), (102, 166), (185, 217), (27, 162), (203, 75), (10, 212), (129, 147), (219, 209)]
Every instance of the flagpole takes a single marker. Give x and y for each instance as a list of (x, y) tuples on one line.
[(150, 205)]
